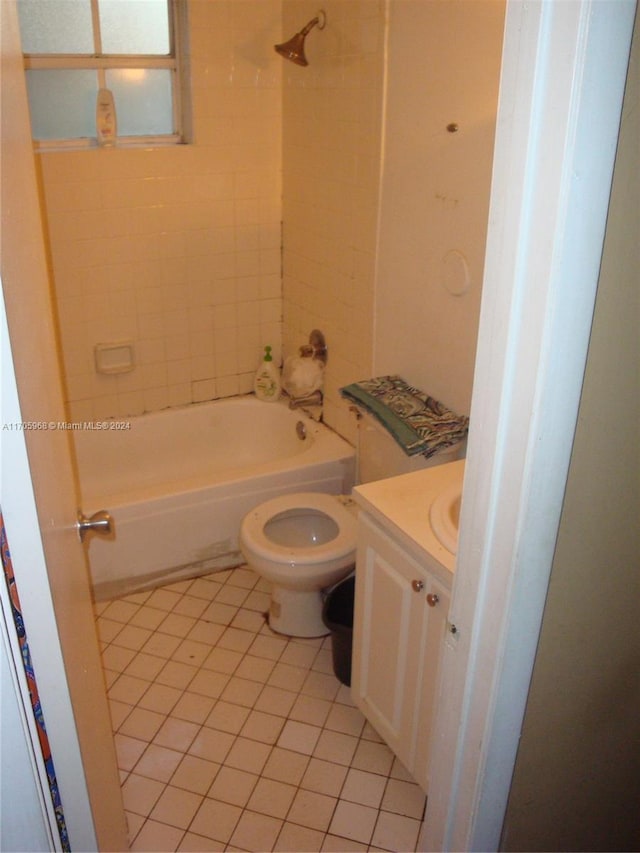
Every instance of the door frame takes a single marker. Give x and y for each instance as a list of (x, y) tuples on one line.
[(562, 85)]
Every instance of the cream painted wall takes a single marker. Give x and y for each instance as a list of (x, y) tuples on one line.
[(332, 124), (443, 68), (177, 248), (577, 776)]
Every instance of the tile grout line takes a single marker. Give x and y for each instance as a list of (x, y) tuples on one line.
[(320, 645)]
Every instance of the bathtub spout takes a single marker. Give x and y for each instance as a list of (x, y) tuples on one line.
[(314, 399)]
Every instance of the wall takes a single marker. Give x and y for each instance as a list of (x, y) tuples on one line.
[(577, 774), (332, 127), (177, 248), (443, 68)]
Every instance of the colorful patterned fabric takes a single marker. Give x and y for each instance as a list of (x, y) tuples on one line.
[(418, 423), (32, 685)]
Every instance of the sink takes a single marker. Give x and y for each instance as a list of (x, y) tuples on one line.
[(444, 516)]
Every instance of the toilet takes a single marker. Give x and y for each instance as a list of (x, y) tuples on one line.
[(304, 543)]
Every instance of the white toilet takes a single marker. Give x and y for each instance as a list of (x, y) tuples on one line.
[(305, 542)]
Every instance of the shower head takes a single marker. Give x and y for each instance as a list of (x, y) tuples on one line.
[(294, 48)]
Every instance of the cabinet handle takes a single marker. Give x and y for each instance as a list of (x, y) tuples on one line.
[(432, 599), (417, 586)]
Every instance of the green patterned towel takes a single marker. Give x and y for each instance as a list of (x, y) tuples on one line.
[(416, 421)]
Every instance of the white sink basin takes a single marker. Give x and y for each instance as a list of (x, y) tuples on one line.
[(444, 516)]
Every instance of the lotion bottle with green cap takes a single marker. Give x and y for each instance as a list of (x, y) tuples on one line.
[(267, 382)]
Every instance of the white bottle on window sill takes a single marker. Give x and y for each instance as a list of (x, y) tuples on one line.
[(106, 124)]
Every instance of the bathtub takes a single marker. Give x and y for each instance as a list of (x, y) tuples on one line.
[(177, 484)]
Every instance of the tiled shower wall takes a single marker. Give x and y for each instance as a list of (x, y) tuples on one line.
[(177, 249), (332, 131)]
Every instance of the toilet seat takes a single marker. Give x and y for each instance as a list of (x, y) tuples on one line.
[(344, 543)]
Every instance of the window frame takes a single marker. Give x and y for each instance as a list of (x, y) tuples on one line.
[(174, 61)]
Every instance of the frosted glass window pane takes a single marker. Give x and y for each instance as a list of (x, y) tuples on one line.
[(134, 26), (143, 100), (63, 103), (56, 26)]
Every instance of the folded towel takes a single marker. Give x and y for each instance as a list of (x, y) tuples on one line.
[(417, 422)]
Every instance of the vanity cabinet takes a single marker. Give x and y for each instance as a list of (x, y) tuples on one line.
[(400, 620)]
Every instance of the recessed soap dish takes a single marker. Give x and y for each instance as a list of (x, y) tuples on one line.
[(114, 357)]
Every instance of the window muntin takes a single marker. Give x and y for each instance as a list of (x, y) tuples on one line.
[(132, 51)]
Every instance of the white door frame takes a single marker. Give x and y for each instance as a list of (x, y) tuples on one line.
[(563, 76)]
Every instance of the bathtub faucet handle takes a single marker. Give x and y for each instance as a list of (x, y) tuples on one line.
[(99, 522)]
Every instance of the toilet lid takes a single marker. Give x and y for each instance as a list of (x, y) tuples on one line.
[(253, 529)]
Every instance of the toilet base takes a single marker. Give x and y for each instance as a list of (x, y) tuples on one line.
[(297, 613)]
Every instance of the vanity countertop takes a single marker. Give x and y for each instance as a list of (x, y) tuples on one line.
[(401, 504)]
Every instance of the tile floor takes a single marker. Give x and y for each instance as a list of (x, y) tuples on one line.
[(232, 737)]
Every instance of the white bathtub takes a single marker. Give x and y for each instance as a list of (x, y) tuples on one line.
[(177, 484)]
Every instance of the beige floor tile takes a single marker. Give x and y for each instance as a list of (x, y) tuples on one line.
[(211, 745), (404, 798), (157, 838), (176, 807), (145, 666), (233, 786), (195, 774), (215, 820), (255, 668), (256, 832), (312, 810), (192, 843), (128, 751), (263, 727), (324, 777), (395, 832), (177, 625), (272, 798), (191, 652), (241, 691), (140, 794), (193, 707), (346, 720), (264, 749), (299, 737), (365, 788), (285, 766), (206, 632), (335, 746), (275, 700), (133, 637), (190, 605), (222, 660), (176, 734), (160, 698), (227, 717), (209, 683), (158, 763), (204, 588), (248, 755), (374, 757), (148, 617), (355, 821), (142, 724), (308, 709), (268, 647), (298, 839), (163, 599), (161, 645)]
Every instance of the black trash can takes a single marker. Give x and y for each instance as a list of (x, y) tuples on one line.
[(337, 615)]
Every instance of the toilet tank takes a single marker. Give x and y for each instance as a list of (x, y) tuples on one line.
[(379, 456)]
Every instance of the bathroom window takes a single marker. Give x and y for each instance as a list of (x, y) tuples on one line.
[(74, 48)]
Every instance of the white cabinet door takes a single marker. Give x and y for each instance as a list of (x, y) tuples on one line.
[(396, 648)]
